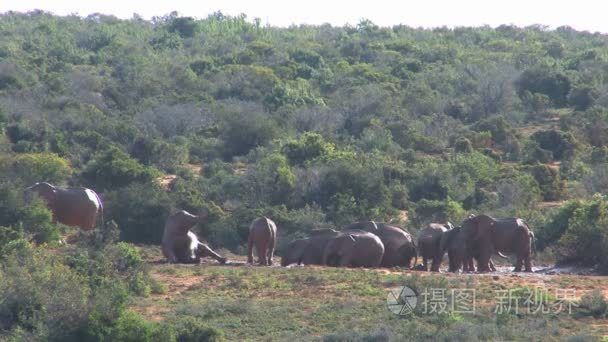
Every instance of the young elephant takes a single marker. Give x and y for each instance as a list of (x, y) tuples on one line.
[(429, 242), (262, 235), (180, 245), (76, 207), (354, 248)]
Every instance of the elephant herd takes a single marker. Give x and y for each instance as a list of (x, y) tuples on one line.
[(361, 244)]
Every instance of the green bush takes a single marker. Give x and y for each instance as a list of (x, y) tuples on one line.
[(130, 327), (561, 144), (36, 167), (549, 180), (140, 210), (193, 329), (38, 221), (586, 236), (463, 145), (594, 304), (557, 225), (113, 169), (41, 295), (307, 147)]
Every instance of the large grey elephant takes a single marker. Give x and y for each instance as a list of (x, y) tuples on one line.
[(262, 235), (354, 248), (399, 247), (488, 235), (454, 243), (76, 207), (180, 245), (308, 251), (429, 241)]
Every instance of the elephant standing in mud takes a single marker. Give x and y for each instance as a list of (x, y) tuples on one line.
[(488, 235), (180, 245), (262, 236), (453, 241), (429, 241), (308, 251), (75, 207), (399, 247), (354, 248)]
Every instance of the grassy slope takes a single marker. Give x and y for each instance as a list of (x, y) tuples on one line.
[(304, 303)]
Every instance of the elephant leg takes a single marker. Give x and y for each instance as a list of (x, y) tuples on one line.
[(250, 250), (261, 249), (435, 265), (271, 252), (424, 263), (518, 264), (483, 262), (528, 263)]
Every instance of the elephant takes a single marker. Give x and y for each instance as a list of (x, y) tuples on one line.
[(262, 235), (308, 251), (75, 207), (399, 247), (353, 248), (429, 242), (488, 235), (180, 244), (453, 241)]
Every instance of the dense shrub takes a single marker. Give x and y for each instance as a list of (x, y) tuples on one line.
[(36, 167), (585, 237), (561, 144), (307, 147), (551, 82), (140, 210), (193, 329), (76, 299), (463, 145), (594, 304), (113, 169), (549, 180)]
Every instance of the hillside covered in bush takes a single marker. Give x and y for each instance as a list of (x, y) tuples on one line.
[(314, 126)]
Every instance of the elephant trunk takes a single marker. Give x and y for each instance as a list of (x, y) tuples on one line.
[(206, 251)]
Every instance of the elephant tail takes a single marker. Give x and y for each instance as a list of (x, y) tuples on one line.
[(530, 235), (415, 253), (100, 208), (533, 242)]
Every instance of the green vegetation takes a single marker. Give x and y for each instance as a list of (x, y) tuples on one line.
[(314, 126)]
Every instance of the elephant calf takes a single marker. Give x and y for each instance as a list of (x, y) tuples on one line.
[(429, 244), (354, 248), (75, 207), (262, 235), (180, 245)]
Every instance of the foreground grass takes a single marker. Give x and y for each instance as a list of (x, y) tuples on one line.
[(303, 303)]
